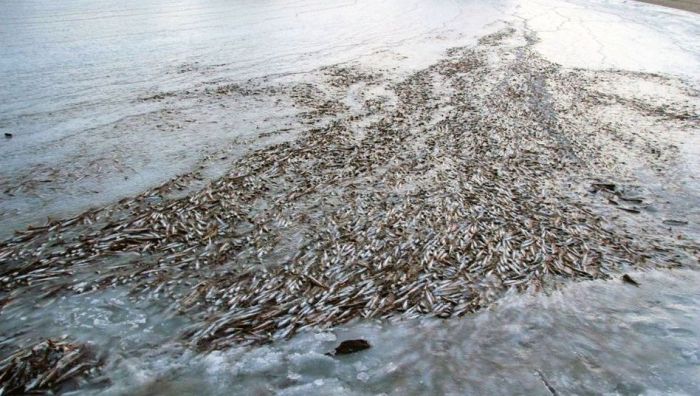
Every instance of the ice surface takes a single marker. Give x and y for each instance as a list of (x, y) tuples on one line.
[(596, 337), (606, 34), (84, 87), (105, 99)]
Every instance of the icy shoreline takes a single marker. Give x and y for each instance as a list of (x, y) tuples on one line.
[(73, 148), (375, 193), (527, 344)]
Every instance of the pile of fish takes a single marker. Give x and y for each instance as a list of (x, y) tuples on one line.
[(46, 366), (450, 188)]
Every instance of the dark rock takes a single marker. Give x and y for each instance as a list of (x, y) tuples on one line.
[(628, 279), (350, 346)]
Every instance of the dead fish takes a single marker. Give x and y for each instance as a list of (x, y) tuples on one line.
[(675, 222), (632, 200), (595, 187), (546, 383), (628, 279), (382, 232), (630, 210), (350, 346)]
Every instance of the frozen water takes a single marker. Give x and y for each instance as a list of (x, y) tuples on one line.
[(605, 34), (592, 338), (84, 89), (84, 85)]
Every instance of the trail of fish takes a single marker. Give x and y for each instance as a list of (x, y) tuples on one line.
[(47, 365), (453, 194)]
